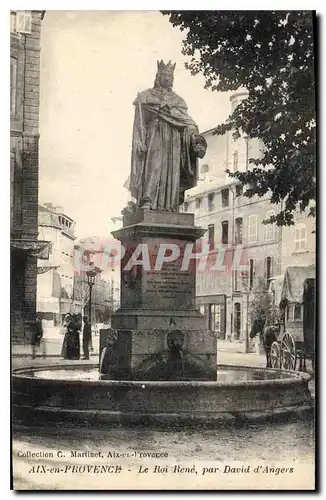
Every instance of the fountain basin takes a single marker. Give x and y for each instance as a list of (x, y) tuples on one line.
[(77, 393)]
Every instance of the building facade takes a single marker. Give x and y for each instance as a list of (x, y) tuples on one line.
[(299, 242), (247, 253), (87, 252), (55, 279), (25, 246), (298, 261)]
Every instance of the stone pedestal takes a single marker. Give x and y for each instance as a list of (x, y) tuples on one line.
[(158, 333)]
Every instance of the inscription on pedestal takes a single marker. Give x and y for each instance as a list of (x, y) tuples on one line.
[(169, 286), (175, 283)]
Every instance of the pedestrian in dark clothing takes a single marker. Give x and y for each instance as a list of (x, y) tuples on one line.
[(37, 335), (71, 343), (87, 337)]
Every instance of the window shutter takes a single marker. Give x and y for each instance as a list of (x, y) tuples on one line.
[(24, 22)]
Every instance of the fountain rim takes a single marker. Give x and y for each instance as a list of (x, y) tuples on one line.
[(293, 378)]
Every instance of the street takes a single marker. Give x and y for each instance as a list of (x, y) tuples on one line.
[(226, 353), (278, 446), (22, 354)]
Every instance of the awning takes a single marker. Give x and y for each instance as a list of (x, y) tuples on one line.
[(39, 249), (45, 269), (294, 279)]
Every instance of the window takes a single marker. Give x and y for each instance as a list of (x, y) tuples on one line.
[(238, 230), (270, 228), (211, 198), (13, 86), (300, 237), (16, 191), (235, 161), (12, 22), (198, 202), (202, 310), (252, 228), (237, 320), (225, 232), (211, 236), (24, 21), (237, 287), (297, 312), (225, 197), (251, 273), (215, 319), (185, 207), (238, 190), (294, 312), (298, 213), (268, 268), (288, 313)]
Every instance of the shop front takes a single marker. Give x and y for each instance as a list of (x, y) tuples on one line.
[(23, 265), (213, 307)]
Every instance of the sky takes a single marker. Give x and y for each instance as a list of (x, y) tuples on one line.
[(93, 63)]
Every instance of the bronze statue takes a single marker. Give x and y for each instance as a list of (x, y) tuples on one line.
[(166, 145)]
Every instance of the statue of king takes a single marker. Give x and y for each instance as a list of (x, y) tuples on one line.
[(166, 145)]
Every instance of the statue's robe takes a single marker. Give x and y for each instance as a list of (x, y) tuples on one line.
[(168, 167)]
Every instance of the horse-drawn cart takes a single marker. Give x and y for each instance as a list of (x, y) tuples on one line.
[(296, 340)]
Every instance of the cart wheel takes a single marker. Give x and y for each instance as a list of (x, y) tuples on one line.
[(275, 355), (288, 352)]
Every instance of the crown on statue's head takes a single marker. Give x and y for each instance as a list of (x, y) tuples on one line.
[(169, 67)]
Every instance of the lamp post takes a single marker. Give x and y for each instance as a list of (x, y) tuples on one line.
[(91, 275)]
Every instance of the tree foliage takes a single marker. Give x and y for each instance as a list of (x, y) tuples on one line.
[(271, 54), (262, 306)]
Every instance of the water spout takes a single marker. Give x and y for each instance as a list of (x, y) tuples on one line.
[(175, 342)]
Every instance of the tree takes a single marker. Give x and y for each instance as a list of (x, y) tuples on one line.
[(262, 307), (271, 54)]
